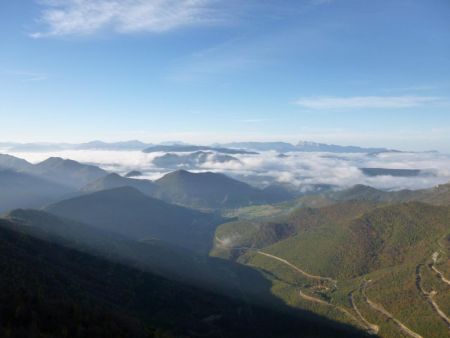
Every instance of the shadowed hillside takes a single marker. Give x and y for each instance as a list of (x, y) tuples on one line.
[(54, 291), (21, 190), (131, 213)]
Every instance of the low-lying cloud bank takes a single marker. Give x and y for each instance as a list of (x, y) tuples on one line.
[(300, 169)]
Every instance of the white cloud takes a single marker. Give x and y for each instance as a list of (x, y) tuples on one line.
[(85, 17), (367, 102), (301, 169)]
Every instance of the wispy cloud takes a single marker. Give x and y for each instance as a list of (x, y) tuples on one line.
[(86, 17), (368, 102), (26, 76)]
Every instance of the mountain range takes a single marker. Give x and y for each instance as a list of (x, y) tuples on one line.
[(66, 172), (302, 146), (326, 262), (226, 148), (195, 148)]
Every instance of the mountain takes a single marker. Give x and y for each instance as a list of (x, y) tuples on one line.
[(302, 146), (55, 169), (439, 195), (21, 190), (307, 146), (113, 180), (343, 254), (209, 273), (361, 192), (380, 237), (125, 145), (67, 172), (192, 148), (8, 162), (150, 255), (208, 190), (133, 173), (263, 232), (280, 147), (192, 160), (55, 291), (131, 213), (372, 172), (93, 145), (180, 147)]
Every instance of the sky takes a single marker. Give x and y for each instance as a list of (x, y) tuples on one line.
[(360, 72)]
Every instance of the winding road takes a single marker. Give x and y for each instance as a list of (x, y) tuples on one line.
[(382, 310), (362, 321), (370, 328), (304, 273), (373, 329), (429, 297), (440, 275)]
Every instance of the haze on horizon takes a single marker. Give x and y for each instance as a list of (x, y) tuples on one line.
[(343, 72)]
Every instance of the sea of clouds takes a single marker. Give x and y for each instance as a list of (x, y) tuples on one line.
[(300, 169)]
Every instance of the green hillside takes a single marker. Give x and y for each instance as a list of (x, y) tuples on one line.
[(302, 221), (328, 252)]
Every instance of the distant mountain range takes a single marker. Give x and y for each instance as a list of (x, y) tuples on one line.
[(93, 145), (302, 146), (225, 148), (195, 148)]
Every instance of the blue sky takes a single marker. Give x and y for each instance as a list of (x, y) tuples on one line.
[(345, 71)]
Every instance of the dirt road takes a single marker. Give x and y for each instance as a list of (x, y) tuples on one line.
[(306, 274), (373, 329), (382, 310), (429, 297)]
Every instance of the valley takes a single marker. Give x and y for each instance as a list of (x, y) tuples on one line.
[(374, 261), (225, 169)]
